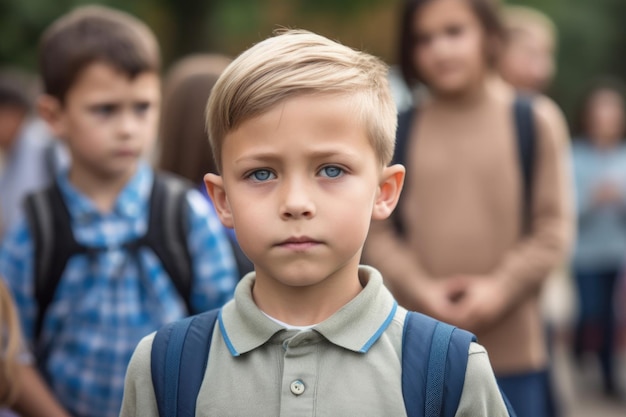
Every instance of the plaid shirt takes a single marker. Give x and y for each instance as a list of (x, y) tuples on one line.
[(103, 306)]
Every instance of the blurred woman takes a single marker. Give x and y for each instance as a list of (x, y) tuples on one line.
[(599, 158)]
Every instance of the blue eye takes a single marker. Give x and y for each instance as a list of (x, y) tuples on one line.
[(262, 175), (331, 171)]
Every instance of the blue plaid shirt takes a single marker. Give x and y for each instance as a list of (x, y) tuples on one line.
[(104, 306)]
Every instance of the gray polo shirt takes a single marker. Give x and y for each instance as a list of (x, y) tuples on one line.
[(348, 365)]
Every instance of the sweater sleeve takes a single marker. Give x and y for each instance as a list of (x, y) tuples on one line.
[(524, 268), (403, 274), (139, 399), (481, 395)]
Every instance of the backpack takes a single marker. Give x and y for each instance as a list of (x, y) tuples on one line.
[(431, 388), (526, 138), (50, 224)]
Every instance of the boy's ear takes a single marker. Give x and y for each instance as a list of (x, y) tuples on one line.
[(215, 187), (50, 110), (389, 189)]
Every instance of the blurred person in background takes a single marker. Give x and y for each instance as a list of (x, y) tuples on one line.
[(472, 241), (21, 387), (185, 150), (29, 156), (129, 249), (599, 157), (527, 61)]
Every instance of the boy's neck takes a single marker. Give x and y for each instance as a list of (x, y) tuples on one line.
[(102, 190), (474, 96), (307, 305)]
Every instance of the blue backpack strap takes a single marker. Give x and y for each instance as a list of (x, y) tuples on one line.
[(526, 138), (434, 360), (180, 352)]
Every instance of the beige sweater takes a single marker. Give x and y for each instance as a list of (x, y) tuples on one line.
[(462, 213)]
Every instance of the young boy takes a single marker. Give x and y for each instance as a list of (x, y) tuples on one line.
[(102, 92), (303, 130)]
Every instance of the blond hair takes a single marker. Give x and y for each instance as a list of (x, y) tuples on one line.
[(9, 347), (522, 19), (297, 62)]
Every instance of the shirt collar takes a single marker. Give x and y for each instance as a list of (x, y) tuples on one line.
[(356, 326), (131, 203)]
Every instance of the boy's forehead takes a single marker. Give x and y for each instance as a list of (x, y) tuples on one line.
[(309, 120), (102, 76)]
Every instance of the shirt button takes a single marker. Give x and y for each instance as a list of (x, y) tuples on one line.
[(297, 387)]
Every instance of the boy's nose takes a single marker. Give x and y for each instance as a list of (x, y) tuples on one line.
[(127, 125), (297, 203)]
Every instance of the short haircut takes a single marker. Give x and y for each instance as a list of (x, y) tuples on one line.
[(488, 13), (521, 19), (294, 63), (184, 147), (94, 34)]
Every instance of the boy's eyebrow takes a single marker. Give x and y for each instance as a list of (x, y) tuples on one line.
[(270, 156)]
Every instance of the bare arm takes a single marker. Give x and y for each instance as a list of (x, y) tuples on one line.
[(34, 398)]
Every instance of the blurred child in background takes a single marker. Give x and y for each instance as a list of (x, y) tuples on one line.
[(599, 156), (469, 245), (527, 60), (123, 276), (185, 149)]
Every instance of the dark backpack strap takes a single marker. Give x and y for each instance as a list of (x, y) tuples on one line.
[(180, 353), (526, 138), (406, 119), (168, 230), (54, 243), (433, 387)]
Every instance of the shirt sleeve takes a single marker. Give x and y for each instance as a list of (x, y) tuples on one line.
[(139, 399), (215, 274), (481, 395), (16, 267)]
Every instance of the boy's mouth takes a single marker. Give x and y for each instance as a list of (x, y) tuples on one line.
[(299, 242)]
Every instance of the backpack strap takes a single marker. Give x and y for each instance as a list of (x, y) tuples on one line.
[(526, 138), (50, 224), (180, 353), (168, 230), (433, 388)]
